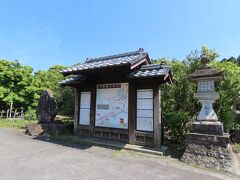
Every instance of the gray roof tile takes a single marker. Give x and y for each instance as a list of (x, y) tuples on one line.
[(72, 80), (130, 58), (152, 70)]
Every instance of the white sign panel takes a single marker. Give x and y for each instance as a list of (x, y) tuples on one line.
[(145, 110), (145, 113), (84, 116), (112, 105), (145, 124), (145, 93), (144, 103), (85, 108), (85, 99)]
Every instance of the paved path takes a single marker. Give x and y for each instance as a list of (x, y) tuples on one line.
[(23, 157)]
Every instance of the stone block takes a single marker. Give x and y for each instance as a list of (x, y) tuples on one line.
[(207, 127), (49, 128)]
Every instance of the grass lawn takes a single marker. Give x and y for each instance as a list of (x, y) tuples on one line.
[(236, 148), (20, 123)]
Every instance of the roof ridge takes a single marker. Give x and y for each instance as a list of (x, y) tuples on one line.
[(140, 50), (153, 66)]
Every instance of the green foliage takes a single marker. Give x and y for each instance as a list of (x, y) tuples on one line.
[(17, 85), (176, 126), (236, 148), (66, 101), (232, 59), (229, 89), (64, 95), (50, 79), (178, 104), (30, 114)]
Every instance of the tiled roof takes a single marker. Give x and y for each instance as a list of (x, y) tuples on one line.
[(129, 58), (71, 80), (153, 70)]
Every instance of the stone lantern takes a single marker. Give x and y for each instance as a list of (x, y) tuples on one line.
[(207, 145), (207, 120)]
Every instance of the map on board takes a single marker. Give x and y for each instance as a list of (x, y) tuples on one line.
[(112, 105)]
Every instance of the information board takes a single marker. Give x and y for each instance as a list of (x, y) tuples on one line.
[(145, 109), (112, 105), (85, 99)]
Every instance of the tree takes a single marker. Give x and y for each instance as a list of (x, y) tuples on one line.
[(229, 89), (178, 104), (231, 59), (17, 85), (50, 79), (20, 86)]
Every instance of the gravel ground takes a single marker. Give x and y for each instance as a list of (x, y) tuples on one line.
[(23, 157)]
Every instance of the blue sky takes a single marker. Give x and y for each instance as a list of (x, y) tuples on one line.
[(49, 32)]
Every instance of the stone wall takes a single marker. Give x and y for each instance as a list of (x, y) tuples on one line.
[(210, 151)]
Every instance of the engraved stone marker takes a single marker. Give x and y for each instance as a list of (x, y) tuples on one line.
[(47, 107)]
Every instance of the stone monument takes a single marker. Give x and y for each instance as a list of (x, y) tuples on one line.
[(207, 144), (46, 112), (47, 107)]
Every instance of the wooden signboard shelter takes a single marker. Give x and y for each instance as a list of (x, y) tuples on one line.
[(118, 97)]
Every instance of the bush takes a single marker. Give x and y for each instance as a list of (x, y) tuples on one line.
[(176, 127), (30, 115)]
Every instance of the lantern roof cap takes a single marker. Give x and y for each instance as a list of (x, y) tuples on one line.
[(205, 72)]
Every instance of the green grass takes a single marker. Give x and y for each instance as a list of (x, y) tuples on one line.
[(10, 123), (236, 148)]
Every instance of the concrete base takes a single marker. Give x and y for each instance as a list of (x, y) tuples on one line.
[(211, 151), (207, 127), (47, 128), (119, 145)]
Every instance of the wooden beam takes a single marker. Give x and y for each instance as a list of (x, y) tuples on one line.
[(111, 130), (92, 109), (139, 63), (76, 112), (132, 112), (157, 115)]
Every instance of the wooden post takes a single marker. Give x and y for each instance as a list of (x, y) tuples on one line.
[(2, 113), (157, 116), (10, 114), (131, 113), (7, 113), (15, 113), (76, 112), (92, 109), (22, 114)]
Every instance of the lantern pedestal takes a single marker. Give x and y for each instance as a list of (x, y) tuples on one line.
[(211, 151), (207, 127)]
